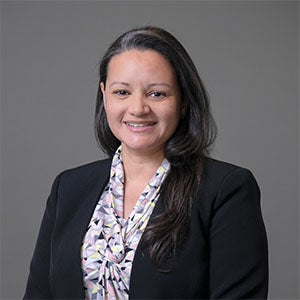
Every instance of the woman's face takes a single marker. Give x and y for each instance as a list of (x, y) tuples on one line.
[(141, 100)]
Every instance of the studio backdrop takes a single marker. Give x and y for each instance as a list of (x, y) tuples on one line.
[(247, 52)]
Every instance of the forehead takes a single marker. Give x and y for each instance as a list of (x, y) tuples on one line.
[(140, 61)]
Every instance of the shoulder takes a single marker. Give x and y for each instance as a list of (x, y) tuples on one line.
[(224, 182), (229, 208), (88, 168), (73, 185), (218, 173), (84, 174)]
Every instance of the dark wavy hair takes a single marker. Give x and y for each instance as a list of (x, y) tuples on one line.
[(185, 150)]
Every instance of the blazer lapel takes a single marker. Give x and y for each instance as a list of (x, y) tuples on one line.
[(82, 199), (141, 263)]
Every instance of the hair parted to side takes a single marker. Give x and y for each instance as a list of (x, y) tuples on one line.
[(185, 150)]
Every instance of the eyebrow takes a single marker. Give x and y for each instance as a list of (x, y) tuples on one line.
[(160, 84), (119, 82), (149, 85)]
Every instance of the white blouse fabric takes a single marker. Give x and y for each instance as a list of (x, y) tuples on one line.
[(110, 242)]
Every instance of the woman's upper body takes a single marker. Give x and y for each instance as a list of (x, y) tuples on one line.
[(205, 237), (224, 254)]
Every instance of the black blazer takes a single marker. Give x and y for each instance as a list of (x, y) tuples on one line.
[(224, 254)]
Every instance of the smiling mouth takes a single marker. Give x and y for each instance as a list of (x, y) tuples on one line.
[(139, 125)]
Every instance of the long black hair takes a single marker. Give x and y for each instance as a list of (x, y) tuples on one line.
[(185, 150)]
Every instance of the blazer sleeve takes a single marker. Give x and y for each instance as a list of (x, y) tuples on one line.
[(238, 243), (38, 285)]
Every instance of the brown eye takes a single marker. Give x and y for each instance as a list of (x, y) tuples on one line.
[(157, 94), (121, 93)]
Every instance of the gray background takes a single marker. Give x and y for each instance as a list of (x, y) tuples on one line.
[(248, 55)]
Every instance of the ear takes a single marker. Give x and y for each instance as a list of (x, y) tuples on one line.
[(102, 87)]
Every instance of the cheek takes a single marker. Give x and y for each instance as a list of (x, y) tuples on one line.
[(172, 115), (108, 106), (171, 120), (113, 113), (111, 118)]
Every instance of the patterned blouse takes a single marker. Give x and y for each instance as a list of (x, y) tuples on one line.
[(110, 242)]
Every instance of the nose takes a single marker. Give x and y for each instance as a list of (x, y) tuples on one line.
[(138, 106)]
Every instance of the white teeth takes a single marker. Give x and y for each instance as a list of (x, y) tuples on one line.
[(139, 125)]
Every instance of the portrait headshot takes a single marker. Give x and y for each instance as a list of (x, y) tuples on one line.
[(150, 149)]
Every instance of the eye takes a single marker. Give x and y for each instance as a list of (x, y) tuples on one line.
[(157, 94), (121, 93)]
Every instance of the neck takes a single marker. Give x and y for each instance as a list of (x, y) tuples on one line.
[(140, 165)]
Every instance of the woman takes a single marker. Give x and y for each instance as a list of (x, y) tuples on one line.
[(159, 219)]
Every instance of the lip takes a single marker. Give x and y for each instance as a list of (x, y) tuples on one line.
[(140, 126)]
